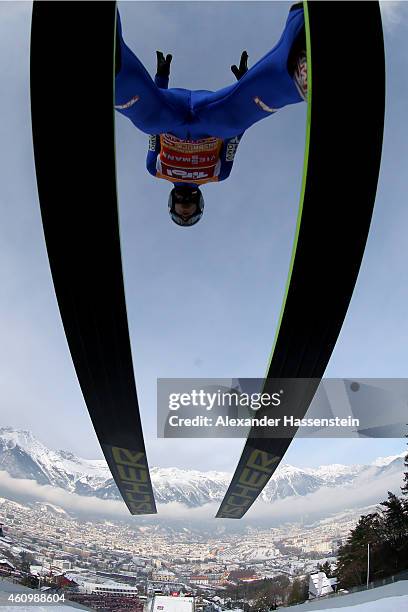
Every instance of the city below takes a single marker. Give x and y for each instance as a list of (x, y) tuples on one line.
[(117, 558)]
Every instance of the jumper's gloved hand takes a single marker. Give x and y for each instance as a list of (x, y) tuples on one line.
[(163, 64), (243, 66)]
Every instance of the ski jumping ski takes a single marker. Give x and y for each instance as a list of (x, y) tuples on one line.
[(74, 147), (346, 93)]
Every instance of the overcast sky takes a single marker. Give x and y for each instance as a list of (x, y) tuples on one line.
[(203, 301)]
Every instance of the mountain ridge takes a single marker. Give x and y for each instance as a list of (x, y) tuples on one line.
[(24, 456)]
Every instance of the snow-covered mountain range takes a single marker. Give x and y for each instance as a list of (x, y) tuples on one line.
[(23, 456)]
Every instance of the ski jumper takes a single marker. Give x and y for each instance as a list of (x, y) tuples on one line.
[(194, 134), (191, 162)]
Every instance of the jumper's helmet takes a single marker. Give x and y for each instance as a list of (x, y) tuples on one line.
[(186, 205)]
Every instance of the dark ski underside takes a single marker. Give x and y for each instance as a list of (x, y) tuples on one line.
[(72, 96), (346, 56)]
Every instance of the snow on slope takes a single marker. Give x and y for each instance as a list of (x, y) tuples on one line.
[(391, 604), (23, 456), (384, 461), (196, 488), (388, 598)]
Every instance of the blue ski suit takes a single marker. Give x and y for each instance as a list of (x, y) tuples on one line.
[(178, 120)]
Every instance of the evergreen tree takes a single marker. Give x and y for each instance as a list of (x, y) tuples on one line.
[(395, 519), (326, 568), (265, 603), (299, 591), (394, 548), (26, 559), (387, 533), (352, 556), (404, 487)]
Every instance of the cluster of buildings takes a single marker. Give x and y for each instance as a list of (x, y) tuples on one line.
[(129, 559)]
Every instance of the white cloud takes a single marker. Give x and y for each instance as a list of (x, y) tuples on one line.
[(30, 489), (364, 491)]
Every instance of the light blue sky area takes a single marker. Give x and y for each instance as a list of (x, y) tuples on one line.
[(202, 301)]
